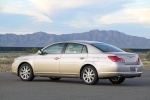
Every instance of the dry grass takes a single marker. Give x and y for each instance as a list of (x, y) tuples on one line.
[(5, 67), (6, 59), (146, 63)]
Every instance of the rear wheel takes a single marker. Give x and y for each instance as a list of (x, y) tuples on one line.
[(55, 78), (26, 72), (117, 80), (89, 75)]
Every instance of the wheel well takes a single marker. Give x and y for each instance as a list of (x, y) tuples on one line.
[(85, 66), (20, 66)]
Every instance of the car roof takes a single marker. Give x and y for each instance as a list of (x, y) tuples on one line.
[(83, 41), (76, 41)]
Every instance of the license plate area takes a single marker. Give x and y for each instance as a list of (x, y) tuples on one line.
[(133, 69)]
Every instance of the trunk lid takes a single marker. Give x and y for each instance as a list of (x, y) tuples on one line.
[(129, 58)]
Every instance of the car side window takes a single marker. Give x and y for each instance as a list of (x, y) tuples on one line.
[(74, 48), (54, 49), (84, 49)]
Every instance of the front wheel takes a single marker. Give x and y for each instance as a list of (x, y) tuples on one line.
[(89, 75), (117, 80), (26, 72)]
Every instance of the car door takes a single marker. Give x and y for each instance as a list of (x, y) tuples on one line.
[(72, 59), (48, 62)]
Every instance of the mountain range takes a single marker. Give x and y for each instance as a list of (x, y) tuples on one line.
[(41, 39)]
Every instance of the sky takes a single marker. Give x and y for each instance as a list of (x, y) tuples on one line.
[(131, 17)]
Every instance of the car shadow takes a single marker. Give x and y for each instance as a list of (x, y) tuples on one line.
[(66, 81), (104, 82)]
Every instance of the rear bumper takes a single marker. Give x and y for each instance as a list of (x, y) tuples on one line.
[(130, 74), (126, 71), (120, 74)]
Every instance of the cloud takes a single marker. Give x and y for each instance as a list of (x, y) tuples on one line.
[(41, 10), (44, 10), (82, 20), (52, 6), (139, 16), (19, 8), (136, 12)]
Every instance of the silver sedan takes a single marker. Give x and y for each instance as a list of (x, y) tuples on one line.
[(88, 60)]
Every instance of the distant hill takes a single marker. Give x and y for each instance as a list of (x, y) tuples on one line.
[(41, 39)]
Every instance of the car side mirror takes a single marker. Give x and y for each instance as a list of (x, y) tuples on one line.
[(39, 52)]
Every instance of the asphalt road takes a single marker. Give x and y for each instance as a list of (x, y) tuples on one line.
[(12, 88)]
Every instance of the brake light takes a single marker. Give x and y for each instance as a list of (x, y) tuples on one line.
[(138, 60), (116, 59)]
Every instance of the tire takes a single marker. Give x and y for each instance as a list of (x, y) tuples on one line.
[(55, 78), (117, 80), (89, 75), (26, 72)]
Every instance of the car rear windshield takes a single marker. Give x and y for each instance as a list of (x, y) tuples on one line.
[(106, 47)]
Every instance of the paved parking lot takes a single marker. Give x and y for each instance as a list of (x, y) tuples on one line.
[(12, 88)]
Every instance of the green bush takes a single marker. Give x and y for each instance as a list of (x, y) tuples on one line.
[(148, 55), (128, 50), (32, 50)]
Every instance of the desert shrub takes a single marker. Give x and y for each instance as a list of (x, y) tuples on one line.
[(148, 55), (128, 50), (32, 50), (142, 55)]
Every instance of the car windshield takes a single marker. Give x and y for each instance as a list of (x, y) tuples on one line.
[(106, 47)]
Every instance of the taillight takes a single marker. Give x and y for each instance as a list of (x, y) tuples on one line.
[(116, 59), (138, 60)]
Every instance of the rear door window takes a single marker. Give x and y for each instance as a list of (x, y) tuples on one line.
[(74, 48)]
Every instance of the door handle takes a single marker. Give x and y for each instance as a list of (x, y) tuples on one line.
[(56, 58), (82, 58)]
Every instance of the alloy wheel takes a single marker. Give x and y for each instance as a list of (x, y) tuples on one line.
[(89, 75), (26, 72)]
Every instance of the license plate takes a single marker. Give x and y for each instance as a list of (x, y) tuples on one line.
[(133, 69)]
